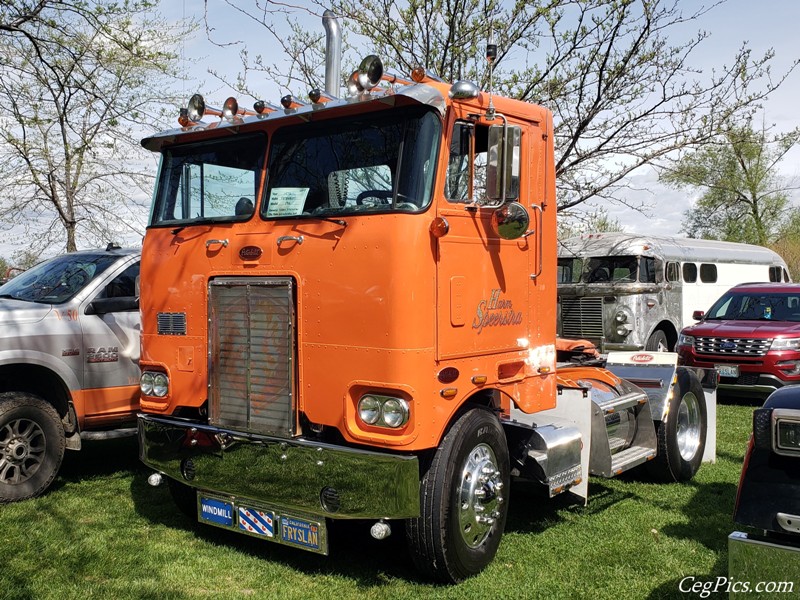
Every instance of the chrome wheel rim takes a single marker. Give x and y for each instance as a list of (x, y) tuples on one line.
[(688, 426), (480, 495), (22, 446)]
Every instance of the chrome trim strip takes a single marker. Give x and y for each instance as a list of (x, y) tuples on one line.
[(287, 474)]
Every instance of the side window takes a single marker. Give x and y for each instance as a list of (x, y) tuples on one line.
[(775, 273), (673, 272), (647, 269), (123, 285), (689, 272), (708, 273), (468, 159)]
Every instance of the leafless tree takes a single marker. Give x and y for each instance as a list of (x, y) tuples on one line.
[(625, 91)]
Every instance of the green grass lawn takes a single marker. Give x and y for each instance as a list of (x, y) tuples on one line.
[(102, 532)]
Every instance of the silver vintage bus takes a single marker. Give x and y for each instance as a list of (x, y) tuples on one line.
[(624, 291)]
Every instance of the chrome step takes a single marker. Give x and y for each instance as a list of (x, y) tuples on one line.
[(619, 403), (631, 457)]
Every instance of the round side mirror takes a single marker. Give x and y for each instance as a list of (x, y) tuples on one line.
[(511, 221)]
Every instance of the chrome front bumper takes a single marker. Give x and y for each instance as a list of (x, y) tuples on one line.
[(289, 474), (759, 559)]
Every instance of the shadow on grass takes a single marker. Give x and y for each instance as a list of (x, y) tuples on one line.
[(98, 459), (353, 553)]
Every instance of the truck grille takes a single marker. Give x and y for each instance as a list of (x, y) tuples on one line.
[(731, 346), (582, 318), (251, 381)]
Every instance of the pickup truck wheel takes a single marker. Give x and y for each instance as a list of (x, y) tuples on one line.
[(31, 446), (185, 497), (682, 434), (463, 500)]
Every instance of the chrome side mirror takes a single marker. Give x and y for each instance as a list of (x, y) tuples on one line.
[(511, 221)]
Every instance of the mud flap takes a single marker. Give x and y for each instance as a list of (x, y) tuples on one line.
[(654, 372)]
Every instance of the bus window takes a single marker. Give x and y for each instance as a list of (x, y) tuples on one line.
[(708, 273), (673, 272), (647, 269), (689, 272), (569, 270)]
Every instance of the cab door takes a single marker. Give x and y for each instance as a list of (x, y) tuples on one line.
[(111, 327)]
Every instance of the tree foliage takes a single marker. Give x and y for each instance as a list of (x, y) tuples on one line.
[(80, 81), (744, 198), (624, 93)]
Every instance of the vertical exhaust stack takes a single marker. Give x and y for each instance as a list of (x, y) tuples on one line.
[(333, 53)]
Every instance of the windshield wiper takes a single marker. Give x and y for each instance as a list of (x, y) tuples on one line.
[(8, 296), (341, 222)]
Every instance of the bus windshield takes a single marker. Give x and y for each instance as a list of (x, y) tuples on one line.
[(619, 269)]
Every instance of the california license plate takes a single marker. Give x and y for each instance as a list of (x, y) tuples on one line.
[(299, 532), (727, 370)]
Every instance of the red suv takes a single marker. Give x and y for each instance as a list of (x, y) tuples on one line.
[(751, 335)]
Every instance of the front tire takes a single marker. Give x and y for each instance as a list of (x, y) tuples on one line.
[(657, 342), (463, 500), (31, 446), (682, 433)]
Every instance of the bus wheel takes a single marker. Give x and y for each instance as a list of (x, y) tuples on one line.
[(682, 434), (463, 500), (657, 342)]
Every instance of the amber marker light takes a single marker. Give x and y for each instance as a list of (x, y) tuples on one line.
[(448, 392), (183, 119), (479, 379), (439, 227), (418, 74)]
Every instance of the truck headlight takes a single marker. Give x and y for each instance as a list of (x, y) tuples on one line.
[(785, 344), (395, 412), (369, 409), (160, 385), (146, 383), (621, 317), (685, 340), (383, 411), (154, 383)]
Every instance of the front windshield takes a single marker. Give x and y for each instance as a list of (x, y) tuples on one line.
[(57, 280), (754, 306), (210, 181), (376, 162), (619, 269)]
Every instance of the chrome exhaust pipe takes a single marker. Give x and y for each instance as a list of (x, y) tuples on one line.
[(333, 53)]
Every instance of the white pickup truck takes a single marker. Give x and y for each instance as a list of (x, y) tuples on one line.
[(69, 361)]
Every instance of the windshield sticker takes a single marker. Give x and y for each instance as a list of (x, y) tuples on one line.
[(286, 201)]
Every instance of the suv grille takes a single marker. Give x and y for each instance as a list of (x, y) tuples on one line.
[(582, 318), (252, 354), (731, 346)]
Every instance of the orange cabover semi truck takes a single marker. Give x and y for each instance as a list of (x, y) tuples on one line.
[(349, 312)]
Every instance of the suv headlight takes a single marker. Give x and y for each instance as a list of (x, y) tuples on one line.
[(785, 344), (685, 340)]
